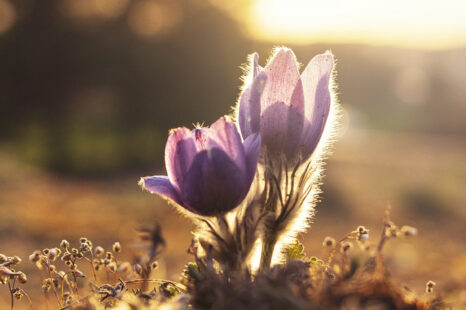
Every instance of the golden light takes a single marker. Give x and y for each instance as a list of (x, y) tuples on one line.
[(7, 16), (413, 23), (151, 18), (103, 9)]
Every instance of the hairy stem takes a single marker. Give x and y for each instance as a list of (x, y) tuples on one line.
[(268, 246)]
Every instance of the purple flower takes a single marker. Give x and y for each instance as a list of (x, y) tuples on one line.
[(209, 170), (288, 109)]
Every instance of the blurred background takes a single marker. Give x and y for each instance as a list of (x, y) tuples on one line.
[(90, 88)]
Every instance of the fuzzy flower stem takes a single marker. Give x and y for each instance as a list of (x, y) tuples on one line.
[(268, 247)]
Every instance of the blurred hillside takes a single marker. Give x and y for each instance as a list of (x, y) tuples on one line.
[(92, 89)]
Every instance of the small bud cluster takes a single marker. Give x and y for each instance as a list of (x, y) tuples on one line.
[(10, 276), (7, 272), (430, 286), (363, 233)]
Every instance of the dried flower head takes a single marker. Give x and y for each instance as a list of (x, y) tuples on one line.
[(430, 286), (64, 244), (408, 231), (329, 242), (98, 251), (116, 247), (346, 246)]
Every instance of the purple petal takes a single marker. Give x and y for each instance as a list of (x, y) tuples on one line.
[(256, 69), (282, 77), (282, 127), (214, 184), (179, 154), (250, 106), (282, 104), (316, 78), (161, 185), (252, 147), (224, 135)]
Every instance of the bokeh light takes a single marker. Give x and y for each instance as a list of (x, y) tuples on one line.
[(152, 18), (7, 16), (94, 9), (414, 23)]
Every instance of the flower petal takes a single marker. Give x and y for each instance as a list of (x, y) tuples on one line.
[(256, 69), (252, 147), (316, 79), (281, 130), (282, 77), (250, 106), (224, 135), (179, 154), (161, 185), (214, 184)]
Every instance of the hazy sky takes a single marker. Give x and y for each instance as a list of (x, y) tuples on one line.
[(413, 23)]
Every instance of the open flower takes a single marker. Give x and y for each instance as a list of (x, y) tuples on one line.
[(288, 109), (209, 170)]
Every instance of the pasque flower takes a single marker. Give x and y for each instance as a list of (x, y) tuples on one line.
[(209, 170), (288, 109)]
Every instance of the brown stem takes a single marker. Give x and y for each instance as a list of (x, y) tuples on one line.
[(178, 285), (91, 261), (53, 285), (28, 298), (11, 294)]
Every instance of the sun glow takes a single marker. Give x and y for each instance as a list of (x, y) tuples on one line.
[(413, 23)]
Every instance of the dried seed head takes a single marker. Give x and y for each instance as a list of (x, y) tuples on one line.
[(84, 247), (53, 254), (346, 246), (363, 233), (66, 257), (112, 267), (329, 242), (18, 294), (89, 243), (137, 268), (154, 265), (45, 251), (78, 273), (3, 258), (82, 240), (35, 256), (64, 244), (430, 286), (99, 251), (52, 268), (22, 278), (109, 255), (15, 260), (408, 231), (116, 247)]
